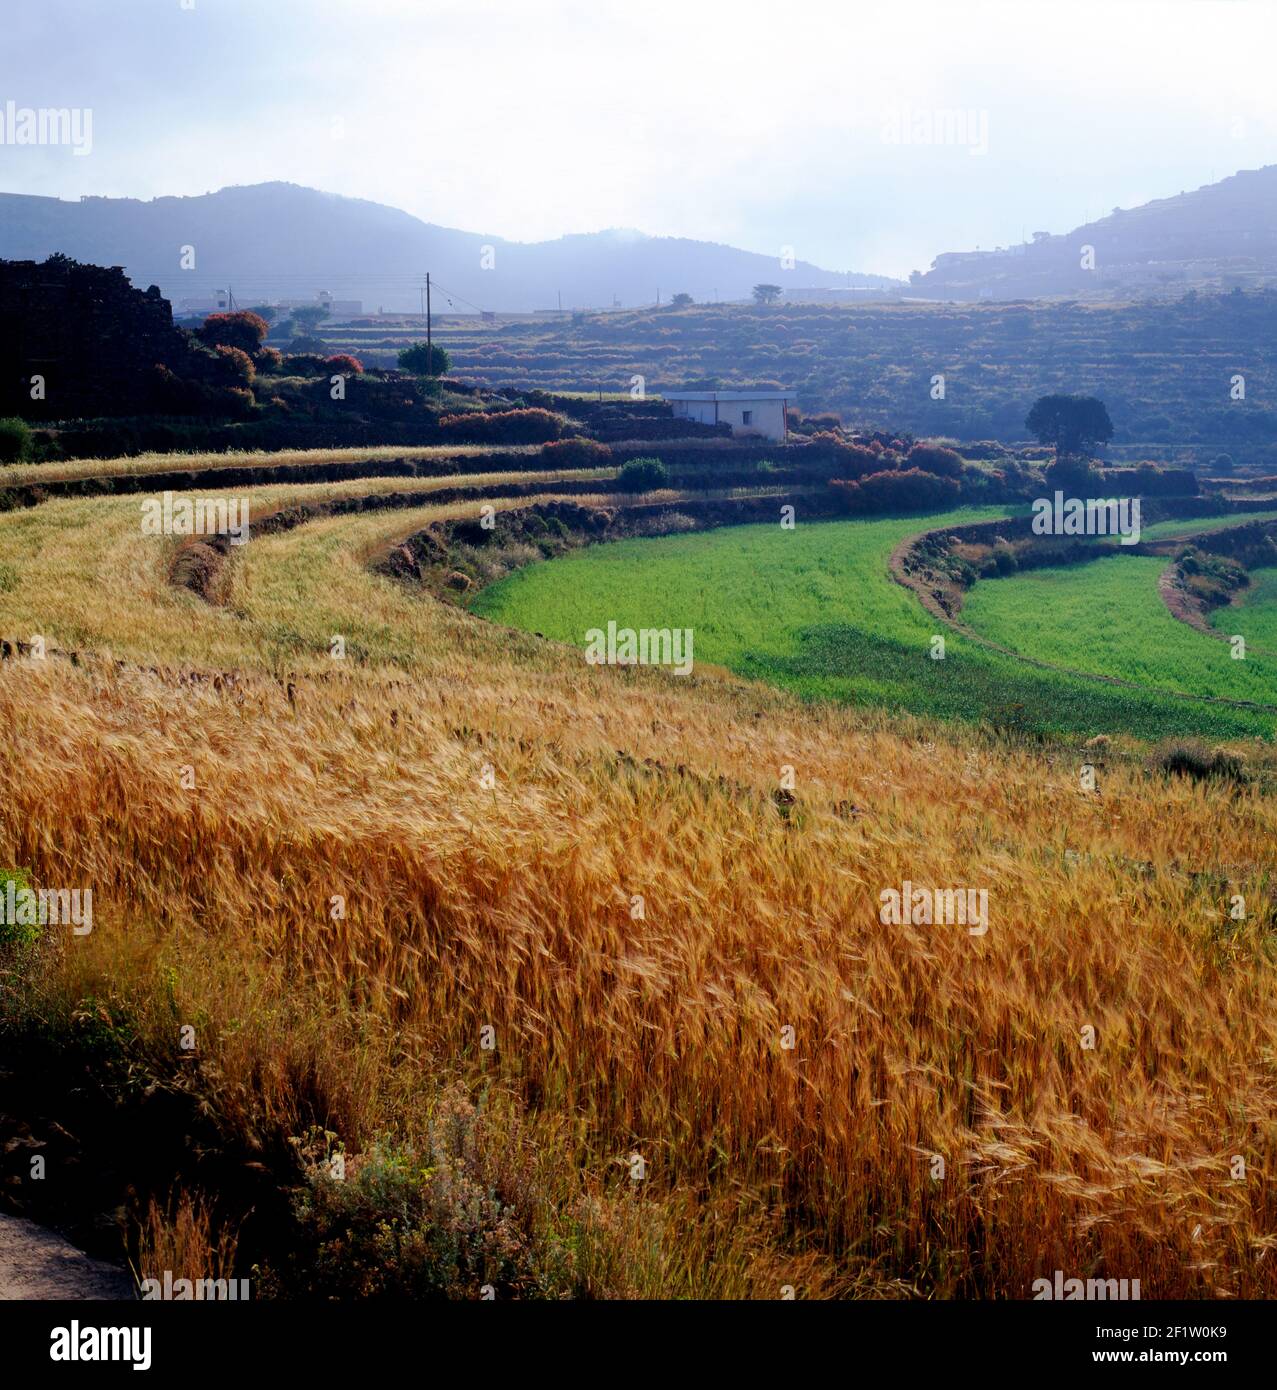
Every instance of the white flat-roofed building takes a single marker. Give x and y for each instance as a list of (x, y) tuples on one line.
[(760, 414)]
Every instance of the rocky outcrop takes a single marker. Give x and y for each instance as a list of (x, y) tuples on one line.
[(88, 333)]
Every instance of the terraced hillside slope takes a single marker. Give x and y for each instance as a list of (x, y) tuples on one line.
[(427, 956), (1165, 369)]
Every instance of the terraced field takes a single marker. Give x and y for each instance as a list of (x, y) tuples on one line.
[(1156, 364), (815, 610), (1108, 616), (1255, 615), (589, 999)]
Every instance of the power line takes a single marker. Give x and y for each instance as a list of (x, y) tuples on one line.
[(455, 295)]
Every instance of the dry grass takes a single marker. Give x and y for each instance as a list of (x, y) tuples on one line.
[(510, 907), (15, 473), (184, 1241)]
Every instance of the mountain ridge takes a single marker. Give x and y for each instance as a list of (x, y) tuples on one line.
[(282, 240), (1222, 235)]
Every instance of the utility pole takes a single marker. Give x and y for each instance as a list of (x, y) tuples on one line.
[(430, 352)]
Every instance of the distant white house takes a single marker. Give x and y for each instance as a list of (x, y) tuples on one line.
[(337, 308), (761, 414)]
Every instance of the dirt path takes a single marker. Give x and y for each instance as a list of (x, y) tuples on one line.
[(38, 1264)]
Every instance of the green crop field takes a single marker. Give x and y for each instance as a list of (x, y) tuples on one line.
[(1255, 615), (1193, 526), (815, 610), (1108, 617)]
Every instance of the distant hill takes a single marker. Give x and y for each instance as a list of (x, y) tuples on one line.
[(1222, 236), (282, 241)]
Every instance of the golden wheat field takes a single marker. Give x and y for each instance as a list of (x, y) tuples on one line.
[(399, 890)]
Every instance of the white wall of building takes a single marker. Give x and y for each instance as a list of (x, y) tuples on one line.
[(701, 411), (749, 419), (765, 418)]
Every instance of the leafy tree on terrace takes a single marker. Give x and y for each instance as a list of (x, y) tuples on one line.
[(766, 294), (682, 301), (423, 360), (308, 317), (1070, 423)]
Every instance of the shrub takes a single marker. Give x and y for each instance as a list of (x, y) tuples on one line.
[(904, 490), (174, 395), (934, 458), (15, 933), (642, 475), (268, 360), (436, 1220), (236, 366), (237, 402), (1186, 758), (532, 426), (1149, 479), (667, 524), (15, 440), (1074, 476), (834, 458), (855, 461), (576, 453), (243, 330), (345, 363), (424, 360), (303, 363), (1004, 560)]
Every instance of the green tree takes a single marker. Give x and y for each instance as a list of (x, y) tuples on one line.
[(642, 475), (682, 301), (15, 440), (766, 294), (424, 361), (306, 319), (1069, 423)]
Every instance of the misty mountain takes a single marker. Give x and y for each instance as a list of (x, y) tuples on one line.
[(1222, 236), (282, 241)]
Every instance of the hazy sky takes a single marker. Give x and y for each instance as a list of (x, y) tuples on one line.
[(765, 125)]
